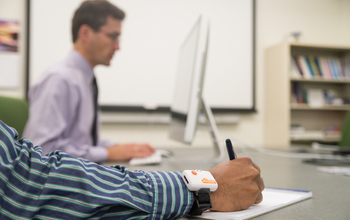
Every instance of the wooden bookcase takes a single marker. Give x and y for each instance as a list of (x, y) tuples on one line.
[(281, 113)]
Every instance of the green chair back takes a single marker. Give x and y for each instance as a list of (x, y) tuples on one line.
[(345, 138), (14, 112)]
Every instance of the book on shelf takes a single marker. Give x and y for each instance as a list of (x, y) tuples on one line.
[(304, 67), (297, 66), (298, 132), (307, 135), (314, 67), (307, 61), (318, 66), (332, 132), (324, 67), (294, 70), (298, 94), (339, 68), (296, 128), (333, 68), (346, 66)]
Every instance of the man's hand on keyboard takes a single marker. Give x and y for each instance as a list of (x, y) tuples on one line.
[(128, 151), (155, 158)]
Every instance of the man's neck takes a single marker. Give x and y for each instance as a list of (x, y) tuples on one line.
[(84, 53)]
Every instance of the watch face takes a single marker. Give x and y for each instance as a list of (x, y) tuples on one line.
[(199, 179)]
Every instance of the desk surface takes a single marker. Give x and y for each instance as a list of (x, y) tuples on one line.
[(331, 193)]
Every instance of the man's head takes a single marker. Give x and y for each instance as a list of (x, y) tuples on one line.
[(96, 28)]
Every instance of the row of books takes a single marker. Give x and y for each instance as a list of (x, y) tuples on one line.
[(298, 132), (315, 97), (313, 67)]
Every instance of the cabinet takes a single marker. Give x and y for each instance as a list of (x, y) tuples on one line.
[(284, 89)]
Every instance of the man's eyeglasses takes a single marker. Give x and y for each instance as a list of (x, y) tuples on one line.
[(113, 36)]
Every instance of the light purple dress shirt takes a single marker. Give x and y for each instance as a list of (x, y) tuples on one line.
[(62, 110)]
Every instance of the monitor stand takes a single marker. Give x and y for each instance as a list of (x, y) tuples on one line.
[(220, 150)]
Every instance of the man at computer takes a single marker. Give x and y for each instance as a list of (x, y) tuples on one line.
[(63, 103)]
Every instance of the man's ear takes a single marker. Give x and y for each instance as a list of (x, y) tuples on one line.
[(84, 33)]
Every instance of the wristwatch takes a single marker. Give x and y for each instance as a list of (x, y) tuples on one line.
[(201, 183), (202, 202)]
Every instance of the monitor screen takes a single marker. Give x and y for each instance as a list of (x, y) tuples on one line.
[(187, 98)]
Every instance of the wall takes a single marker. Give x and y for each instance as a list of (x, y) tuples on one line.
[(15, 10), (320, 21)]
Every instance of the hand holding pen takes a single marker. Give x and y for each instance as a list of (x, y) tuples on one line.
[(239, 183)]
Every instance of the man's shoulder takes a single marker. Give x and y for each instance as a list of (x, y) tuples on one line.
[(62, 71)]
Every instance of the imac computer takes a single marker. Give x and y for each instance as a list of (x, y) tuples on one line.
[(188, 101)]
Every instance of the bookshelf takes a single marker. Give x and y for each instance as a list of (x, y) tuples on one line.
[(302, 108)]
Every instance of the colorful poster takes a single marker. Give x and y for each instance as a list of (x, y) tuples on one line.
[(9, 56), (9, 35)]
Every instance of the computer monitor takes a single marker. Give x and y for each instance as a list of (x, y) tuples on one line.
[(188, 101)]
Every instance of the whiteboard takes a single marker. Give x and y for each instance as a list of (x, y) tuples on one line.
[(9, 71), (142, 72)]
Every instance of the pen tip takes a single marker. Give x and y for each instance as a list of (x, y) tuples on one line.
[(228, 140)]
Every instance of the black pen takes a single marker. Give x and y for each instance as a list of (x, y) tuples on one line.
[(230, 150)]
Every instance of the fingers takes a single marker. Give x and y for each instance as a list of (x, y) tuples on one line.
[(259, 198), (259, 180), (260, 183), (143, 150), (150, 148), (256, 167)]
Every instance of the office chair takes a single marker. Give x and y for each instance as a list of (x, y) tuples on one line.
[(14, 112), (345, 138)]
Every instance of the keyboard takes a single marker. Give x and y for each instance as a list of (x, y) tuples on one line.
[(155, 158)]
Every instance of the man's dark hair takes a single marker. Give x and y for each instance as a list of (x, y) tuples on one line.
[(94, 13)]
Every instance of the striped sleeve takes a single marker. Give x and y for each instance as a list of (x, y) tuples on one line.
[(58, 186)]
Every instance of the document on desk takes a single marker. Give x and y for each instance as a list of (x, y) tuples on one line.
[(274, 198)]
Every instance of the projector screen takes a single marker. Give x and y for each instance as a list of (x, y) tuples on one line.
[(142, 73)]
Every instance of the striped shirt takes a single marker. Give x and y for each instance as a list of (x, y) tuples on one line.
[(59, 186)]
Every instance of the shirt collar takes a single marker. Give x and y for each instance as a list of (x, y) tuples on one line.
[(80, 62)]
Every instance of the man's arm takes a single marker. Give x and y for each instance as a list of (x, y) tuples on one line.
[(61, 186)]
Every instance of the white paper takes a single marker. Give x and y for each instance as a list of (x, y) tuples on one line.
[(335, 170), (274, 198), (9, 69)]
